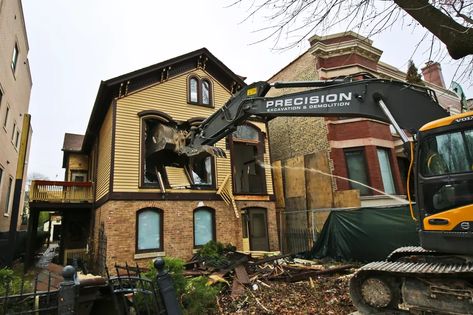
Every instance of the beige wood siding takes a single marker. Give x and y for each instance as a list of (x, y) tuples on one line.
[(77, 162), (169, 97), (104, 156)]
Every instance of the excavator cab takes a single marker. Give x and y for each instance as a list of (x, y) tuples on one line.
[(445, 184)]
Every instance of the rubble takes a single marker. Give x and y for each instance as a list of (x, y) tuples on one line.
[(281, 284)]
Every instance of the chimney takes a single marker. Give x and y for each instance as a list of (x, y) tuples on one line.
[(432, 73)]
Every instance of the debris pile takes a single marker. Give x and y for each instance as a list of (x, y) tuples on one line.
[(277, 284)]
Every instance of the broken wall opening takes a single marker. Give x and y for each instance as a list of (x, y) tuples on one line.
[(163, 167)]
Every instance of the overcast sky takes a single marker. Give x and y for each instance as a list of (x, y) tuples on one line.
[(76, 44)]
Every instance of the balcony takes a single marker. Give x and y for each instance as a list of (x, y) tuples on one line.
[(61, 192)]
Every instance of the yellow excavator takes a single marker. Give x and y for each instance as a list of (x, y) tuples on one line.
[(437, 276)]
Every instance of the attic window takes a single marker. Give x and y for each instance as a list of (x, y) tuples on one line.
[(199, 91)]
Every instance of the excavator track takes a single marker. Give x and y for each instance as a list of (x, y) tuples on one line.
[(409, 251), (433, 285)]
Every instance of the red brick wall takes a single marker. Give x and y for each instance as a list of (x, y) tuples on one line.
[(345, 60), (119, 218), (359, 130)]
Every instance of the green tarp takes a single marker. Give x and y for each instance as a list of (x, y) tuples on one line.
[(365, 234)]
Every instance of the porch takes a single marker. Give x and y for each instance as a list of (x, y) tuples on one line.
[(72, 202)]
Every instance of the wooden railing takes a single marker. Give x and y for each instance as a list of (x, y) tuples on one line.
[(53, 191), (225, 191)]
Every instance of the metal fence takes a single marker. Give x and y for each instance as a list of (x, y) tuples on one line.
[(128, 292), (302, 228), (299, 240)]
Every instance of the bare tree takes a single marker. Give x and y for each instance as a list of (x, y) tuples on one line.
[(447, 21)]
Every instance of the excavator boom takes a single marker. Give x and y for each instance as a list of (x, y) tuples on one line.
[(408, 106), (435, 278)]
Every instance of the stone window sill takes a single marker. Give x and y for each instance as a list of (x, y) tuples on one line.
[(150, 255)]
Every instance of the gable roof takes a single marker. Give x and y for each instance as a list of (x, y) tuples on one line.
[(72, 142), (135, 80)]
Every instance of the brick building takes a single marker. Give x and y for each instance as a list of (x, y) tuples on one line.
[(141, 207), (357, 148)]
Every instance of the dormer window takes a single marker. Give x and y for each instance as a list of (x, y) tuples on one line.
[(199, 91), (193, 90), (205, 92)]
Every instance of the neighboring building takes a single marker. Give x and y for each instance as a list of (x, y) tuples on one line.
[(357, 148), (140, 208), (15, 90)]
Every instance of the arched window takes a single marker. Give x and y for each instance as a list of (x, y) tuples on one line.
[(205, 92), (193, 90), (204, 226), (199, 91), (149, 230)]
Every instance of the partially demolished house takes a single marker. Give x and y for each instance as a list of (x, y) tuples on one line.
[(143, 205)]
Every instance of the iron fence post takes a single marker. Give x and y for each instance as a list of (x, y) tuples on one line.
[(68, 292), (166, 289)]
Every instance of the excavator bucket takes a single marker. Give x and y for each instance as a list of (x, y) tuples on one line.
[(168, 145), (191, 151)]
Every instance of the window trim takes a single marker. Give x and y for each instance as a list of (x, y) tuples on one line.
[(17, 138), (260, 148), (391, 168), (160, 212), (213, 222), (13, 131), (200, 82), (2, 172), (15, 57), (213, 170), (6, 211), (189, 100), (5, 119), (162, 118), (166, 119), (365, 160)]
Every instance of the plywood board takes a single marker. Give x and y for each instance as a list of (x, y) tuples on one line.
[(295, 214), (294, 177), (320, 218), (318, 185), (278, 184), (347, 198)]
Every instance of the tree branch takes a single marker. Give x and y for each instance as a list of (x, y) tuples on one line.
[(457, 38)]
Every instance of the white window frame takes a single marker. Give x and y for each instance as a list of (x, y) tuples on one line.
[(15, 57), (13, 131), (5, 117), (8, 203), (385, 170)]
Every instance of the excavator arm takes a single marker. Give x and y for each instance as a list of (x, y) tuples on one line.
[(405, 106)]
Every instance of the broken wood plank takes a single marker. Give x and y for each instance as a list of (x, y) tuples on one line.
[(237, 289), (302, 267), (195, 273), (241, 274), (306, 275), (268, 259)]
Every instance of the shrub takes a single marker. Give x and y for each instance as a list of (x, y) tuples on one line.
[(200, 298), (195, 297), (213, 254), (12, 282)]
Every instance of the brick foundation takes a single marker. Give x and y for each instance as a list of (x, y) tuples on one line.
[(119, 219)]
